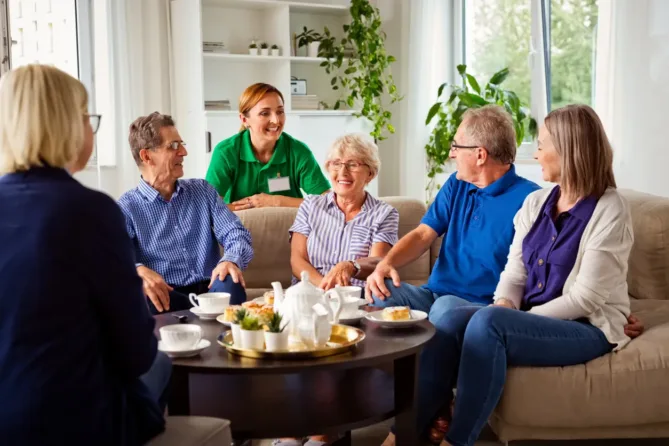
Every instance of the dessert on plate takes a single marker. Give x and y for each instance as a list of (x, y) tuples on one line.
[(396, 314), (230, 312), (269, 297)]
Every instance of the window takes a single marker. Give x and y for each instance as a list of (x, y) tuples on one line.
[(548, 46)]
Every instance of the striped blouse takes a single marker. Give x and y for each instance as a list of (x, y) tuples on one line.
[(330, 239)]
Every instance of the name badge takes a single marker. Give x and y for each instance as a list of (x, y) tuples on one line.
[(278, 184)]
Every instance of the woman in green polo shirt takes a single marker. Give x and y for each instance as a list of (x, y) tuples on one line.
[(261, 166)]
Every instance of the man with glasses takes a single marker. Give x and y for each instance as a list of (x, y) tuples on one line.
[(177, 225)]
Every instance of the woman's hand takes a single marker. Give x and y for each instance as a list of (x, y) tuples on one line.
[(256, 201), (224, 269), (340, 274)]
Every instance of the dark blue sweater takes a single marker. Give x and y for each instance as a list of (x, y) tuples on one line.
[(74, 325)]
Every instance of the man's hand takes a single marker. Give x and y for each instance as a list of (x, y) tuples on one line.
[(340, 274), (375, 282), (155, 288), (503, 302), (256, 201), (634, 326), (225, 268)]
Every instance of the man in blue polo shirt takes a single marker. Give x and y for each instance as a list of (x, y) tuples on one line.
[(474, 212)]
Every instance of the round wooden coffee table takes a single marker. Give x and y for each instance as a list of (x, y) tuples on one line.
[(295, 398)]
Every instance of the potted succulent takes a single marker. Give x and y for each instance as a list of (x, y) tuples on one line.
[(251, 333), (264, 49), (311, 39), (275, 336), (235, 327), (253, 49), (275, 50)]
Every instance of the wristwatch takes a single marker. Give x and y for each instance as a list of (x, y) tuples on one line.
[(356, 265)]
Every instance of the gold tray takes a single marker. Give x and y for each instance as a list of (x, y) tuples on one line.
[(343, 338)]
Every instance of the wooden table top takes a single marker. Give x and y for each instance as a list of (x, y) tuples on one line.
[(380, 345)]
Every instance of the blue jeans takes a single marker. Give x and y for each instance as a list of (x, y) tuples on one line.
[(179, 296), (472, 349)]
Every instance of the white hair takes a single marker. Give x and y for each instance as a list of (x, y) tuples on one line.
[(357, 146)]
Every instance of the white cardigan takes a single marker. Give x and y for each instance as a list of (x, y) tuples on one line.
[(596, 287)]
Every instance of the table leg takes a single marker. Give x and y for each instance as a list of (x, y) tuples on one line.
[(406, 378), (178, 402)]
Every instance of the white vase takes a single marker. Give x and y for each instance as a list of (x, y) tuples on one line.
[(253, 51), (276, 341), (264, 51), (312, 49), (253, 339), (275, 52), (236, 334)]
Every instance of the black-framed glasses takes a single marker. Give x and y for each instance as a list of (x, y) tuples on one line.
[(352, 166), (455, 147), (95, 122)]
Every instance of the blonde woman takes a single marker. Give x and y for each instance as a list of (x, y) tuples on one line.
[(562, 297), (76, 334)]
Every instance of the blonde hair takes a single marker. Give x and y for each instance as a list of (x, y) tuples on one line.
[(254, 94), (359, 147), (586, 156), (491, 127), (41, 118)]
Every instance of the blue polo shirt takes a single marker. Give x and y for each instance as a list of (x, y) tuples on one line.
[(477, 225)]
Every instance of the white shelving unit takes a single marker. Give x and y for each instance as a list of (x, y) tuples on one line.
[(202, 76)]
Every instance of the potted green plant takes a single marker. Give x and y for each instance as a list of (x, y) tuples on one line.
[(275, 336), (235, 327), (449, 113), (264, 49), (275, 50), (311, 39), (251, 333), (365, 78), (253, 49)]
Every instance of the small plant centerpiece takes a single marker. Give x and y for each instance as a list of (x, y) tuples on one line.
[(235, 328), (276, 338), (275, 50), (253, 49), (251, 333), (264, 49)]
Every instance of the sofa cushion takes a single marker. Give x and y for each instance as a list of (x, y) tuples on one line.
[(614, 390), (648, 276)]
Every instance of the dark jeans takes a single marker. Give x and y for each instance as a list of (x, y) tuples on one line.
[(179, 296)]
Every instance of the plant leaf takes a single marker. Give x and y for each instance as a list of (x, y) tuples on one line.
[(441, 89), (433, 111), (472, 100), (461, 69), (474, 84), (499, 77)]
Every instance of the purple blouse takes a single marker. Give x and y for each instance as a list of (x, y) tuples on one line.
[(550, 248)]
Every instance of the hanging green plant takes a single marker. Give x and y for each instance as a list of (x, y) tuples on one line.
[(449, 116), (366, 79)]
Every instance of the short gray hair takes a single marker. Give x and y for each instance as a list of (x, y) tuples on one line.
[(358, 146), (491, 126), (144, 133)]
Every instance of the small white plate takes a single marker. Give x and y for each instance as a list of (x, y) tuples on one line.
[(206, 316), (184, 353), (353, 319), (221, 318), (416, 317)]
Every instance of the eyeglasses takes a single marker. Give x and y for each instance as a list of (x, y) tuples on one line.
[(174, 145), (95, 122), (352, 166), (455, 147)]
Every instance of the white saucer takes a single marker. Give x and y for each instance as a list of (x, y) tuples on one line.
[(206, 316), (221, 318), (184, 353), (416, 317), (353, 319)]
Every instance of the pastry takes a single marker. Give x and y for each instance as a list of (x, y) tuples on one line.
[(396, 314), (269, 297), (230, 313)]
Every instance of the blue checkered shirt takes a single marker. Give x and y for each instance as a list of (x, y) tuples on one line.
[(179, 239)]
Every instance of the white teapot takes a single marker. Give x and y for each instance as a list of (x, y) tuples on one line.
[(297, 306)]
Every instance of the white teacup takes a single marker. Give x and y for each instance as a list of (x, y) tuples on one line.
[(211, 302), (351, 300), (181, 336)]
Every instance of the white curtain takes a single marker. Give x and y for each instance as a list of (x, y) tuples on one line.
[(430, 63), (632, 88)]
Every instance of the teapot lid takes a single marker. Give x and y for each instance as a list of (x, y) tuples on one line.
[(304, 286)]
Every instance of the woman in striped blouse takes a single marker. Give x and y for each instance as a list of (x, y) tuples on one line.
[(339, 237)]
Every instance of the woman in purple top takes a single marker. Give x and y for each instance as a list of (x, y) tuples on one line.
[(562, 297)]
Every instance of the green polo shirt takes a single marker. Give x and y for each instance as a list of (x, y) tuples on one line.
[(236, 173)]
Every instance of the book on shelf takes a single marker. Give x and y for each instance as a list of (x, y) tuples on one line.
[(214, 47), (305, 102)]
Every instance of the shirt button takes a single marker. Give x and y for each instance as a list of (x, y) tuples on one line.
[(476, 217), (553, 239), (541, 262), (540, 286)]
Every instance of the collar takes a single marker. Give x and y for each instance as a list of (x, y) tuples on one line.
[(501, 184), (582, 210), (46, 171), (152, 194), (367, 205), (246, 152)]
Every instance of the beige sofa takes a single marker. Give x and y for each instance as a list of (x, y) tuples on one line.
[(622, 395)]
